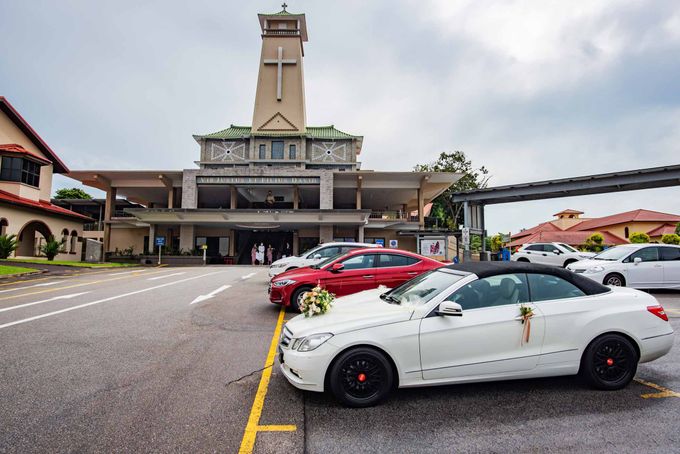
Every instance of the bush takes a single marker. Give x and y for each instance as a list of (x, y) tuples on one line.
[(638, 237), (594, 243), (677, 229), (8, 244), (671, 238), (51, 248)]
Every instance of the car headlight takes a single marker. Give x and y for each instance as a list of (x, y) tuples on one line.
[(309, 343), (595, 269), (283, 282)]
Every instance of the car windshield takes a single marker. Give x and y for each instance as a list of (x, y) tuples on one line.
[(567, 247), (615, 253), (327, 260), (310, 253), (423, 288)]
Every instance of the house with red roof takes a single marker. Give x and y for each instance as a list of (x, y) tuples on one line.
[(571, 228), (27, 164)]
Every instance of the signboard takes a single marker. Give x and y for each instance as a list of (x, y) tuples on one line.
[(160, 241), (505, 238), (394, 244), (257, 180), (433, 248), (465, 231)]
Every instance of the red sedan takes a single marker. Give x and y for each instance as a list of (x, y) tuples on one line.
[(355, 271)]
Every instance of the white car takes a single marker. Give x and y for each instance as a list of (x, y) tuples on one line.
[(314, 256), (643, 266), (557, 254), (462, 323)]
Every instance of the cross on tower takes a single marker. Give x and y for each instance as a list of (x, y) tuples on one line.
[(279, 76), (284, 6)]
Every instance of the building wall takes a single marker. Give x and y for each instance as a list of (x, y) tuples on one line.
[(10, 133), (620, 229), (123, 238), (18, 218)]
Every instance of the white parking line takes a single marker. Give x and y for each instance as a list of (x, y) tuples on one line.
[(166, 275), (54, 298), (111, 298), (248, 276), (127, 272), (210, 295), (43, 284)]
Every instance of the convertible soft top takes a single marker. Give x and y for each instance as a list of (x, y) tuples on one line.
[(486, 269)]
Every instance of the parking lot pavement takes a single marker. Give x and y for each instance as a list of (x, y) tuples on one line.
[(130, 364)]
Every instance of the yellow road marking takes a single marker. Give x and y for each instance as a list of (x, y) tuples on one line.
[(253, 426), (277, 428), (663, 392), (52, 289)]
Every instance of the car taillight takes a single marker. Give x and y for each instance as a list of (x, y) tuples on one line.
[(658, 311)]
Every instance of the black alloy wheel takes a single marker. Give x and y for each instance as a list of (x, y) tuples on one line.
[(615, 280), (297, 296), (609, 362), (361, 377)]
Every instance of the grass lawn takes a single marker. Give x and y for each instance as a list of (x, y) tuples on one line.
[(7, 270), (73, 263)]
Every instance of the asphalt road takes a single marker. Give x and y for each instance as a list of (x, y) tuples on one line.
[(121, 361)]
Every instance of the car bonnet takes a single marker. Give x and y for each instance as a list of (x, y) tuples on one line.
[(358, 311)]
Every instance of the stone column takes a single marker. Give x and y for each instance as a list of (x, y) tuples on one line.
[(421, 210), (326, 191), (358, 203), (360, 234), (234, 197), (152, 237), (171, 198), (186, 237), (296, 243), (325, 233), (109, 211), (296, 197)]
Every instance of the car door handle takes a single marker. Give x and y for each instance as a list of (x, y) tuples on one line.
[(368, 276), (412, 273)]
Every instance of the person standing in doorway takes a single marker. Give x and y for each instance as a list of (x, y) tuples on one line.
[(287, 250), (260, 254), (270, 255), (253, 254)]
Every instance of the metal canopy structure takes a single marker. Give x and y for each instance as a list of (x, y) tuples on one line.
[(629, 180)]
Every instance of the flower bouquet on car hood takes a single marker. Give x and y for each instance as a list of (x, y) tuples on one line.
[(316, 301)]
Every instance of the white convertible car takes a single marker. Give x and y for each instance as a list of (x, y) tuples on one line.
[(463, 323)]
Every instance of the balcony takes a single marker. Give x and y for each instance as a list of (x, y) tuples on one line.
[(281, 32), (93, 227), (392, 215)]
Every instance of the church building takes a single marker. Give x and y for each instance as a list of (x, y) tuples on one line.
[(278, 180)]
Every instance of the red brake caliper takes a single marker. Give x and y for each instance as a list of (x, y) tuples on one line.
[(610, 362), (361, 377)]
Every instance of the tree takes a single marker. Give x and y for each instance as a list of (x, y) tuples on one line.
[(639, 237), (594, 243), (51, 248), (677, 229), (449, 213), (496, 243), (671, 238), (72, 193), (8, 244)]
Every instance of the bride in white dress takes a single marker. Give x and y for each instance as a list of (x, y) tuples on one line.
[(260, 254)]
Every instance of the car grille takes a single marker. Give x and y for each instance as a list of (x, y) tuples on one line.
[(286, 337)]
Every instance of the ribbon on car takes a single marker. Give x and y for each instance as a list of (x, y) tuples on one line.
[(526, 312)]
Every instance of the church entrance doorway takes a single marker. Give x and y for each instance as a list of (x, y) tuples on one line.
[(281, 241)]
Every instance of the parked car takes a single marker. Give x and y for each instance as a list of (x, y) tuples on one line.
[(313, 256), (557, 254), (643, 266), (354, 271), (462, 323)]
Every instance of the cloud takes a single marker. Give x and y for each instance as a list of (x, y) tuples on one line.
[(530, 89)]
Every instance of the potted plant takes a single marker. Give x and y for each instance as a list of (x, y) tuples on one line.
[(8, 244), (51, 248)]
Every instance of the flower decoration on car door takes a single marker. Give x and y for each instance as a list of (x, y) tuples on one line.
[(525, 314)]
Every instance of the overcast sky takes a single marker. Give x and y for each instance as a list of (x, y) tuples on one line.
[(532, 90)]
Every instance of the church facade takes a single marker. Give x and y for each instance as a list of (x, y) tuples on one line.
[(278, 181)]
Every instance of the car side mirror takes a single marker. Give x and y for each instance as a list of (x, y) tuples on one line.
[(337, 267), (637, 260), (450, 308), (317, 256), (556, 251)]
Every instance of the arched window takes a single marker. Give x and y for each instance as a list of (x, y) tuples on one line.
[(626, 232), (3, 226), (74, 242), (64, 238)]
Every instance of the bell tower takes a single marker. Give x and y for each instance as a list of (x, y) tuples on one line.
[(280, 95)]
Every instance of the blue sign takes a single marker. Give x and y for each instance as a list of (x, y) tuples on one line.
[(160, 241), (380, 242)]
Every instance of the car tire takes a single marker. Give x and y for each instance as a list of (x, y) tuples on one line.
[(523, 259), (361, 377), (614, 279), (569, 262), (609, 362), (297, 296)]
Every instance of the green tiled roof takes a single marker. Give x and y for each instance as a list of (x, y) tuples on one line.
[(313, 132), (282, 13)]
